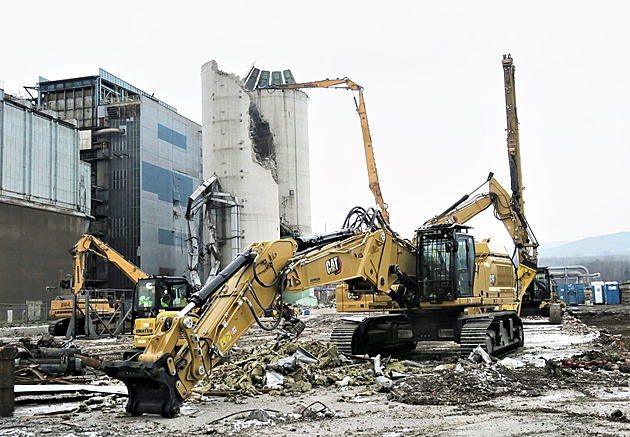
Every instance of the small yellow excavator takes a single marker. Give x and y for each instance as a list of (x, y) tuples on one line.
[(151, 295)]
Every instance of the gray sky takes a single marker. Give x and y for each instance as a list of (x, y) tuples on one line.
[(433, 84)]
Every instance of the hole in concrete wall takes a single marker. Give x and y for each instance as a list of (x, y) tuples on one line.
[(262, 139)]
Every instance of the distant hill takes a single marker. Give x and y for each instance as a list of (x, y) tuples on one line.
[(606, 245)]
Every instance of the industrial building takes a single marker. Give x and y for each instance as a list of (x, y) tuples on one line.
[(127, 164), (44, 200), (145, 159)]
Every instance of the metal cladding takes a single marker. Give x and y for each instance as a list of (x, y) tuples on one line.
[(44, 200), (39, 160), (256, 141)]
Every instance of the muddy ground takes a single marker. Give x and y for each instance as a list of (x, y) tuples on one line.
[(567, 380)]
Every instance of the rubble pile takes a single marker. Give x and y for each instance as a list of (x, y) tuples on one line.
[(460, 384), (293, 367), (594, 360)]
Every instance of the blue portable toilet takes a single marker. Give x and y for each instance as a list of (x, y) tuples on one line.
[(599, 296), (612, 292)]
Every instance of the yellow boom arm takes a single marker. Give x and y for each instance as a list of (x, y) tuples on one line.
[(89, 244), (346, 83)]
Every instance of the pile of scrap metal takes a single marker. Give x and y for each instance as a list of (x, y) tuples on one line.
[(40, 361)]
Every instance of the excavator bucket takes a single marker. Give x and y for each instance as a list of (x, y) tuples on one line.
[(151, 386)]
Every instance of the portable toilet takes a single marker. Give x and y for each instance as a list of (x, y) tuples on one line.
[(598, 292), (612, 292)]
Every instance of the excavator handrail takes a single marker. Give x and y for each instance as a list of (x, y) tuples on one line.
[(346, 83)]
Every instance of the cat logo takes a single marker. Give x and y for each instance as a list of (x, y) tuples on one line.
[(333, 266), (451, 220)]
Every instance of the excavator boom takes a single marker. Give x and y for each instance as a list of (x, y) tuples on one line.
[(89, 244), (507, 208), (346, 83)]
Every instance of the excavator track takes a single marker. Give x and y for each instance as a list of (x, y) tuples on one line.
[(342, 336), (353, 337), (497, 334), (473, 334)]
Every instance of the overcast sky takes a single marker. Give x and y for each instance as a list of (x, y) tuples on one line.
[(433, 85)]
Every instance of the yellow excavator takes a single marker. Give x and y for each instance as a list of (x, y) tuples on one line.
[(438, 286), (534, 283), (420, 290), (70, 310), (151, 294)]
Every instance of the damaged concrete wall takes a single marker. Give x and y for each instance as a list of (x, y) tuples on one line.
[(228, 152), (287, 114)]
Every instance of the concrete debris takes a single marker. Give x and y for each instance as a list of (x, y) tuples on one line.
[(511, 363), (472, 383), (344, 382), (288, 367), (550, 397), (274, 380), (479, 355), (378, 369), (384, 382), (260, 415)]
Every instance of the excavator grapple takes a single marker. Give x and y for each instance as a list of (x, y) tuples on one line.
[(152, 386)]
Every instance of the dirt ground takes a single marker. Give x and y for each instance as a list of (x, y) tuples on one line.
[(568, 380)]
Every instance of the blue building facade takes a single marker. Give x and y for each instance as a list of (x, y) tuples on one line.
[(146, 161)]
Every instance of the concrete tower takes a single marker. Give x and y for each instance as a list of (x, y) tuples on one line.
[(244, 171), (255, 139), (286, 112)]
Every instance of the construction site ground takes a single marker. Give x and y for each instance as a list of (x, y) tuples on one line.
[(567, 380)]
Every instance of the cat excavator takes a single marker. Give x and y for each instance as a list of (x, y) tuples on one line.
[(420, 290), (534, 284), (440, 285)]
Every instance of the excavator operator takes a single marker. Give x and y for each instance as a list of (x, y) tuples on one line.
[(165, 300)]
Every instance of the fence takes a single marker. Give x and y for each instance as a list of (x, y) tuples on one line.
[(38, 311), (31, 311)]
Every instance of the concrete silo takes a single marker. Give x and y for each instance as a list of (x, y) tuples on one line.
[(255, 140), (244, 171), (287, 113)]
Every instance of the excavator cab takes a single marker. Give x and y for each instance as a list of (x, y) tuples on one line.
[(446, 263), (153, 296)]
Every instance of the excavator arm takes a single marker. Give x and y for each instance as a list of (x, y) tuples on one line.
[(89, 244), (163, 376), (346, 83), (507, 210)]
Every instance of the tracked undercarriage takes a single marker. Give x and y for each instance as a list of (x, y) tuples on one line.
[(498, 333)]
